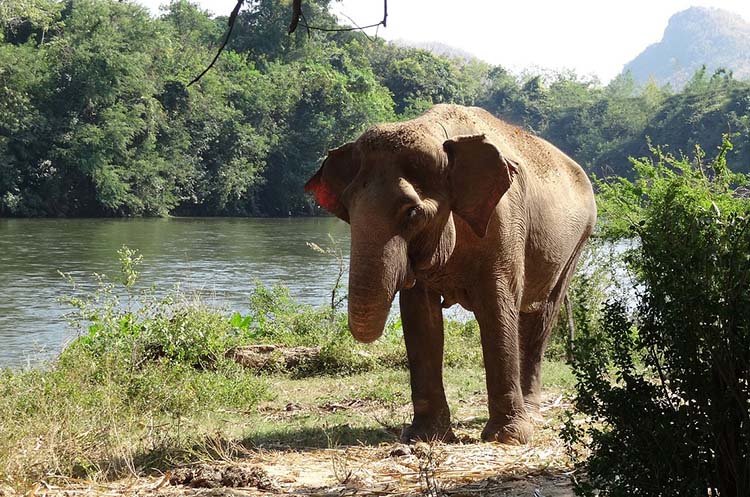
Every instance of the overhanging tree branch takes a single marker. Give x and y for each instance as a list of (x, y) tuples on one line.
[(232, 20), (297, 15)]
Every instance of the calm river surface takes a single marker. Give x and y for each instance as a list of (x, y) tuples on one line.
[(219, 257)]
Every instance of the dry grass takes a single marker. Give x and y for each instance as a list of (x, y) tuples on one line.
[(470, 467)]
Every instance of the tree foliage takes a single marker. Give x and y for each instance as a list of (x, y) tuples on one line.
[(95, 118)]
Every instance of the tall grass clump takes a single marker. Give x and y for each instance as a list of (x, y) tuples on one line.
[(666, 378)]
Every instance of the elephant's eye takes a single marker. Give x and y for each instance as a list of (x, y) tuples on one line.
[(414, 215), (415, 218)]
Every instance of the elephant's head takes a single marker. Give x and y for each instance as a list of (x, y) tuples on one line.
[(397, 187)]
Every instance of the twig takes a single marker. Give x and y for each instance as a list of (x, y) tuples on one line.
[(571, 327), (336, 30), (232, 20), (358, 26), (297, 16), (662, 377)]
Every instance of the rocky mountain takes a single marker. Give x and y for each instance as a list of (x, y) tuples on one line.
[(694, 37)]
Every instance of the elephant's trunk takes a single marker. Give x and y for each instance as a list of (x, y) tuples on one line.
[(377, 272)]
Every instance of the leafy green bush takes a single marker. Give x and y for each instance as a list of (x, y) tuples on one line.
[(667, 383), (277, 318), (132, 326), (462, 344), (126, 328)]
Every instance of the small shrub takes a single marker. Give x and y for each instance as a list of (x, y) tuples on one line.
[(342, 356), (278, 319)]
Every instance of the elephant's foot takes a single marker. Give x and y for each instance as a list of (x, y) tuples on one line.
[(515, 430), (427, 430)]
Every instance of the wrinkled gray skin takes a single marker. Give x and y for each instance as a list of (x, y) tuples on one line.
[(457, 206)]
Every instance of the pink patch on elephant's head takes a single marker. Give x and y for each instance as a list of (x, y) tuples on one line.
[(323, 195)]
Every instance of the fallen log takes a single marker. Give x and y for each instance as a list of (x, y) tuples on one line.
[(274, 357)]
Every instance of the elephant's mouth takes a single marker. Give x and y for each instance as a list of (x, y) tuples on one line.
[(410, 280)]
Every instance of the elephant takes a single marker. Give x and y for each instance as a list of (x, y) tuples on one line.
[(458, 206)]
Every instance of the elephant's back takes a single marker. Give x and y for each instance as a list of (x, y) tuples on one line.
[(544, 163), (557, 192)]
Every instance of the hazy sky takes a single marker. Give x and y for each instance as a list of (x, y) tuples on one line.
[(590, 36)]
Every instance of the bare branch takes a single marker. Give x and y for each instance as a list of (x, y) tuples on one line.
[(232, 20), (298, 18), (358, 26), (297, 15)]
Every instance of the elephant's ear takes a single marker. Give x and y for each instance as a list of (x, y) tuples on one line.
[(479, 175), (334, 175)]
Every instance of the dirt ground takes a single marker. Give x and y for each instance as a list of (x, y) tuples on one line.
[(470, 467)]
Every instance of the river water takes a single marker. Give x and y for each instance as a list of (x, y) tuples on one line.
[(222, 258)]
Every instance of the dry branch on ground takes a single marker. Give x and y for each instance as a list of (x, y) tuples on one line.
[(259, 357)]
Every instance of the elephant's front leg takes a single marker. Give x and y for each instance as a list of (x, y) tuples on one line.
[(498, 324), (422, 319)]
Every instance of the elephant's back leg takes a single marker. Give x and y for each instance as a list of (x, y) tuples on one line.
[(534, 329)]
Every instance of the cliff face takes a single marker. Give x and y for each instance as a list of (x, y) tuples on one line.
[(694, 37)]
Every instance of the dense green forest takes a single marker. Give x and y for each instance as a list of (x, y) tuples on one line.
[(96, 118)]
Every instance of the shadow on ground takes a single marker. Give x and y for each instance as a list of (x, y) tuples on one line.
[(336, 436)]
